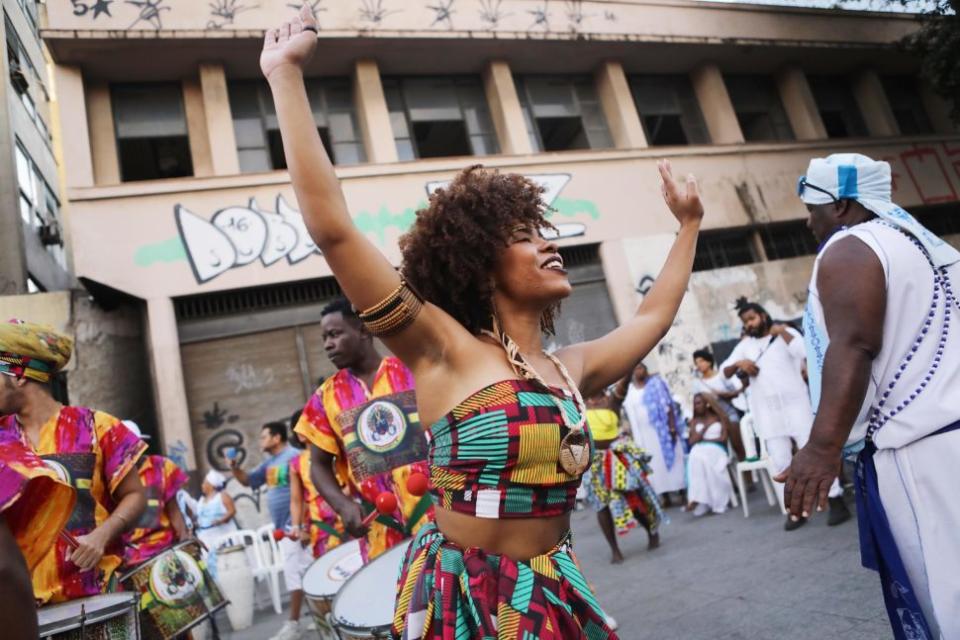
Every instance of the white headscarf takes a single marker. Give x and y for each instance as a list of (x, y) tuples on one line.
[(215, 479), (852, 176)]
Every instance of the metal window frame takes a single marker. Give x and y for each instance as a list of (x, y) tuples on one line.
[(527, 101)]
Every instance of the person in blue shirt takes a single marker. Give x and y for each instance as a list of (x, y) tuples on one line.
[(274, 472)]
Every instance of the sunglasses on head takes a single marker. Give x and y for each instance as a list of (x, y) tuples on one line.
[(803, 185)]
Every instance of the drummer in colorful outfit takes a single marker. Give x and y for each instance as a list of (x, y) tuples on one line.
[(95, 451), (468, 313), (363, 375), (34, 507), (314, 522), (162, 523)]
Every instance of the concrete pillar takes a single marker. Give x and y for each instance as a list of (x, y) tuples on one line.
[(800, 105), (620, 285), (216, 107), (619, 107), (169, 390), (373, 113), (716, 106), (505, 109), (197, 130), (938, 109), (873, 103), (103, 135), (75, 125)]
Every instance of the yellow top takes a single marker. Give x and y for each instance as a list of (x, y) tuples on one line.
[(604, 424)]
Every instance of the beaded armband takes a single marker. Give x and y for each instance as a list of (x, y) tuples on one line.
[(394, 313)]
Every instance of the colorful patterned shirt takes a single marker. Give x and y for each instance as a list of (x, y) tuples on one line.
[(161, 479), (35, 503), (318, 511), (274, 472), (318, 423), (93, 452)]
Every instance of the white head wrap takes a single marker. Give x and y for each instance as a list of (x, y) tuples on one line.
[(852, 176), (215, 479), (134, 429)]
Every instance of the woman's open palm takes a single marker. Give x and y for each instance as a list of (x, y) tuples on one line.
[(290, 45)]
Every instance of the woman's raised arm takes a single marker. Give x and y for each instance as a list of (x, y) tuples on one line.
[(604, 360), (364, 274)]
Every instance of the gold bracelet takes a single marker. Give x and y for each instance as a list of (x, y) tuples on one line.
[(394, 313)]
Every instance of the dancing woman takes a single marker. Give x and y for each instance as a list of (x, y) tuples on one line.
[(467, 313)]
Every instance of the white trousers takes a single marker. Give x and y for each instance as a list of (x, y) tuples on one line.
[(296, 560), (780, 450), (918, 488)]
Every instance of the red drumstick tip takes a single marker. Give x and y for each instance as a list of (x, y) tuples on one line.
[(417, 484)]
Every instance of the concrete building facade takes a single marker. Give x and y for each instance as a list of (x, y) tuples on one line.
[(32, 245), (178, 198)]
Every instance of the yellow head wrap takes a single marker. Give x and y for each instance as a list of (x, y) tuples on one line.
[(33, 351), (604, 424)]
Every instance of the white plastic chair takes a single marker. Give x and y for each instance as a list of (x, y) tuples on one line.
[(762, 466), (259, 565), (271, 560)]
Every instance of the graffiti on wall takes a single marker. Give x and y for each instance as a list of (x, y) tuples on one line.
[(238, 236), (923, 169), (225, 12)]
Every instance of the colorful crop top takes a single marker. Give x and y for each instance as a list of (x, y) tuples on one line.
[(496, 454)]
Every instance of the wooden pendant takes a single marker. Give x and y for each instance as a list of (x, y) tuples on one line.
[(575, 453)]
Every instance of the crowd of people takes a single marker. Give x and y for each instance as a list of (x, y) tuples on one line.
[(508, 438)]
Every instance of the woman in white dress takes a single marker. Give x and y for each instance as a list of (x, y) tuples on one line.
[(724, 390), (655, 423), (708, 485), (213, 514)]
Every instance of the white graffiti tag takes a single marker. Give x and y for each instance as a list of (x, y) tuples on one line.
[(238, 236)]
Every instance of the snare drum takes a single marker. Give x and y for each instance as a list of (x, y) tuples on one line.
[(108, 617), (325, 577), (363, 608), (176, 592)]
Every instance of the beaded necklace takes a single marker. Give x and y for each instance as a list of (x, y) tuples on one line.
[(574, 455), (941, 285)]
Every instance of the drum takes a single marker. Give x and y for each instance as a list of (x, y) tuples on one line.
[(325, 577), (176, 592), (237, 583), (363, 608), (108, 617)]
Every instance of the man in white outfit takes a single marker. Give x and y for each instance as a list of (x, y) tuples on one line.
[(772, 356), (885, 376)]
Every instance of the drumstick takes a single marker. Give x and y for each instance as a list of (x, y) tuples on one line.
[(386, 504), (69, 539)]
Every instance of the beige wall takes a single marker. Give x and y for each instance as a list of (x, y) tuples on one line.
[(638, 19), (611, 194)]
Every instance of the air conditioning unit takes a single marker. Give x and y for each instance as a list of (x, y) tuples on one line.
[(18, 78), (50, 234)]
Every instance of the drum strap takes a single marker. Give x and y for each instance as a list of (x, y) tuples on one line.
[(418, 512), (326, 528)]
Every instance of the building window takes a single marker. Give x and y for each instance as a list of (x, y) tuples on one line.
[(152, 139), (942, 220), (563, 113), (440, 117), (759, 108), (724, 248), (30, 11), (23, 76), (837, 106), (787, 240), (259, 145), (39, 206), (903, 94), (669, 110)]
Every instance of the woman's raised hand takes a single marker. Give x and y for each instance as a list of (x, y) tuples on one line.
[(684, 202), (291, 45)]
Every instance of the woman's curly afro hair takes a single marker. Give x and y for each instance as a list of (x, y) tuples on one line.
[(450, 253)]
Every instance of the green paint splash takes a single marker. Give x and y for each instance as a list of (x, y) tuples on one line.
[(171, 250), (568, 208), (378, 223)]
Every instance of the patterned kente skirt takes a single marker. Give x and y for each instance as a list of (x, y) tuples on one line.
[(618, 480), (449, 593)]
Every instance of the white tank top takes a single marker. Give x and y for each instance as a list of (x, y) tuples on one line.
[(910, 301)]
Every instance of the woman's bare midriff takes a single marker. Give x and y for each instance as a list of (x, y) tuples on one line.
[(517, 538)]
